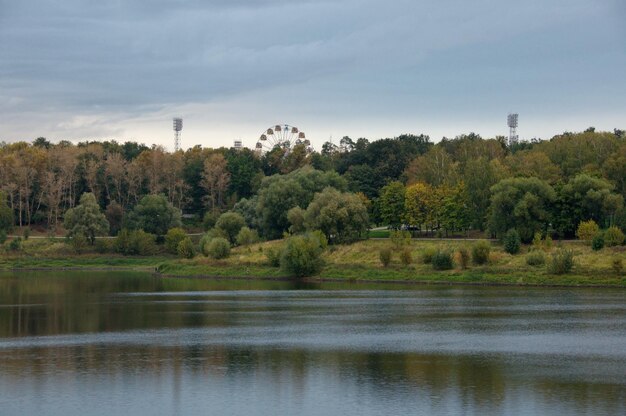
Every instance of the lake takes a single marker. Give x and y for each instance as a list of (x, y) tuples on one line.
[(104, 343)]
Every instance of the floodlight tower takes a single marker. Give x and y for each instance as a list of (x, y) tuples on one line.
[(178, 126), (512, 122)]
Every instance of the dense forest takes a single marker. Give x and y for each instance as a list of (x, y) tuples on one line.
[(460, 185)]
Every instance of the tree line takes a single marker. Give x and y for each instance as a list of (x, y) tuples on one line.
[(455, 185)]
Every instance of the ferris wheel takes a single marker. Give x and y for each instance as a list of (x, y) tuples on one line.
[(283, 136)]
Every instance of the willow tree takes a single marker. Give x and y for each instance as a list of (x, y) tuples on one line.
[(86, 219)]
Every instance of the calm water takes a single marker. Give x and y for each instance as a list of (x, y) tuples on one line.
[(133, 344)]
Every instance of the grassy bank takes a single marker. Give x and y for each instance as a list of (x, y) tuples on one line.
[(355, 262), (360, 262)]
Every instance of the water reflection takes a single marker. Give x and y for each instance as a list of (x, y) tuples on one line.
[(134, 344)]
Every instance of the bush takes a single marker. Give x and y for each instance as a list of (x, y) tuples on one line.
[(617, 265), (79, 243), (246, 236), (562, 261), (15, 244), (548, 242), (587, 230), (427, 255), (537, 244), (3, 236), (136, 242), (173, 238), (218, 248), (26, 233), (613, 236), (301, 255), (442, 260), (400, 238), (512, 241), (480, 252), (273, 256), (186, 249), (406, 257), (105, 245), (464, 258), (598, 242), (385, 255), (536, 258)]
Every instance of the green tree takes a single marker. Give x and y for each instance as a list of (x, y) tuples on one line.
[(115, 216), (155, 215), (86, 219), (280, 193), (342, 217), (479, 176), (6, 214), (230, 223), (521, 203), (583, 198), (391, 203)]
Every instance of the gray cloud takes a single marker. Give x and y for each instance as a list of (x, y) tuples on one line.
[(122, 60)]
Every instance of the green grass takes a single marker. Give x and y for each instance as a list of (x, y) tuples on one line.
[(378, 233)]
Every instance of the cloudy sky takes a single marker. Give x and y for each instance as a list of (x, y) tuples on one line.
[(121, 69)]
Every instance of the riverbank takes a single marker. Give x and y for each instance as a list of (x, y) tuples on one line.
[(357, 262)]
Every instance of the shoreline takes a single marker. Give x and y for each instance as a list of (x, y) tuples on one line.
[(441, 280)]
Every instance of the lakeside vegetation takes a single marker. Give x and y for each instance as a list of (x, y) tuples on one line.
[(296, 212), (357, 262)]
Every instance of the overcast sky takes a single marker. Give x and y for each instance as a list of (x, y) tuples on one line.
[(121, 69)]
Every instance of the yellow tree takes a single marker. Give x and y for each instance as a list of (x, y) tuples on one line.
[(416, 204), (215, 180)]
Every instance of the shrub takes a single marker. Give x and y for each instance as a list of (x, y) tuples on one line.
[(273, 256), (186, 249), (173, 238), (427, 255), (218, 248), (562, 261), (537, 244), (613, 236), (480, 252), (464, 257), (536, 258), (26, 233), (136, 242), (301, 255), (246, 236), (406, 257), (3, 236), (15, 244), (617, 265), (385, 255), (105, 245), (598, 242), (79, 243), (587, 230), (512, 241), (442, 260), (400, 238), (547, 243)]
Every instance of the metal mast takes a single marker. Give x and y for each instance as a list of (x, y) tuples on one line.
[(178, 126), (512, 122)]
